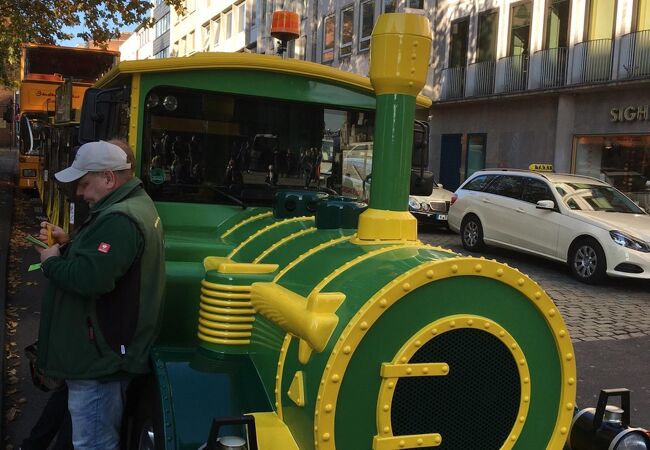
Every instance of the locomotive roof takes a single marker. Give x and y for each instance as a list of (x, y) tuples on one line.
[(249, 61)]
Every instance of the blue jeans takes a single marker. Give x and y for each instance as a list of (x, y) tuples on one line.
[(96, 410)]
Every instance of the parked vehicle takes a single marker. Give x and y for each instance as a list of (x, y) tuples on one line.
[(579, 220), (432, 208)]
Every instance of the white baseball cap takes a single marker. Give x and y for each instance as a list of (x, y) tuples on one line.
[(94, 157)]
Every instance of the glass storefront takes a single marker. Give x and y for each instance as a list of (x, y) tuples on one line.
[(623, 161)]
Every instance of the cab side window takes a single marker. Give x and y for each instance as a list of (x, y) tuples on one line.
[(507, 186), (479, 183), (536, 190)]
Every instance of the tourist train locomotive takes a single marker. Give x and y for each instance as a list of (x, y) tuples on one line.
[(320, 322)]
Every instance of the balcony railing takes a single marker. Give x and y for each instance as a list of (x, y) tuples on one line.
[(515, 73), (592, 61), (549, 67), (480, 78), (453, 82), (635, 55)]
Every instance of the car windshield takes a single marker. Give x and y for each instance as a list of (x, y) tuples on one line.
[(595, 197)]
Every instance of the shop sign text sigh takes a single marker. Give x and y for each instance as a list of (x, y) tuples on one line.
[(629, 114)]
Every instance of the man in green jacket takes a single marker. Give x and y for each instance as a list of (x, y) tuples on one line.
[(101, 310)]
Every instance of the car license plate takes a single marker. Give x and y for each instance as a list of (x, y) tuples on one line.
[(441, 217)]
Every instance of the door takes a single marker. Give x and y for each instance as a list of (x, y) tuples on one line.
[(450, 150), (538, 230)]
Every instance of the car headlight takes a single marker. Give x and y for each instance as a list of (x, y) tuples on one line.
[(625, 240), (414, 204)]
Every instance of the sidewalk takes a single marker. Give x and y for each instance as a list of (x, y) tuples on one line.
[(8, 163)]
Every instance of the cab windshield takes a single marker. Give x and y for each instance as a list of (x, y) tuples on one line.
[(594, 197)]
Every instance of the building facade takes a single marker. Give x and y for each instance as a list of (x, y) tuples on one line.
[(563, 82)]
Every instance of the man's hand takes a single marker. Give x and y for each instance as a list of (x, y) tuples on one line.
[(58, 236), (48, 252)]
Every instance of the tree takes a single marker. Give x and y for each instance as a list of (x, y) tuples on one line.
[(44, 22)]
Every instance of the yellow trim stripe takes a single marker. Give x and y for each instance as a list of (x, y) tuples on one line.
[(223, 295), (308, 253), (224, 287), (414, 370), (133, 119), (246, 221), (227, 303), (359, 259), (225, 319), (268, 228), (226, 326), (283, 241), (278, 374), (223, 341), (426, 273), (407, 441), (252, 62)]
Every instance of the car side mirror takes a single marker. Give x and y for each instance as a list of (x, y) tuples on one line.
[(546, 204)]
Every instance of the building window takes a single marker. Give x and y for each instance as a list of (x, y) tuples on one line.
[(600, 23), (182, 46), (164, 53), (329, 30), (476, 144), (215, 29), (520, 29), (488, 27), (229, 24), (205, 37), (347, 30), (643, 15), (557, 24), (622, 161), (144, 36), (241, 17), (417, 4), (390, 6), (190, 43), (162, 25), (175, 48), (458, 43), (366, 22)]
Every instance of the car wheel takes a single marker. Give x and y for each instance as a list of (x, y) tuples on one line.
[(471, 234), (587, 261)]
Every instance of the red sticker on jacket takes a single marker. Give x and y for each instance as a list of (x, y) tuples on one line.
[(104, 247)]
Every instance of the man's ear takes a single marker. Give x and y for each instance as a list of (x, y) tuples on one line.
[(111, 179)]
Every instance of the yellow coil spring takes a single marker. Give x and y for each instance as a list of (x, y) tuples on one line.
[(226, 315)]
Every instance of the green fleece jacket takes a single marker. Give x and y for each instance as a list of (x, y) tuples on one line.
[(101, 310)]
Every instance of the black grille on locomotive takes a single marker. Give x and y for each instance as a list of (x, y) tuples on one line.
[(475, 406)]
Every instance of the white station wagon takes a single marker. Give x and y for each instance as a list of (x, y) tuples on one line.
[(579, 220)]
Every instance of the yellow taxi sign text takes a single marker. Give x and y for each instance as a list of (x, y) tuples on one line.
[(541, 167)]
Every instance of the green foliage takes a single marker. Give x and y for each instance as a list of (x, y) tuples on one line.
[(44, 22)]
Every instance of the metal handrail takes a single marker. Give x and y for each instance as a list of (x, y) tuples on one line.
[(454, 82), (552, 66), (594, 59), (636, 54), (515, 72), (484, 73)]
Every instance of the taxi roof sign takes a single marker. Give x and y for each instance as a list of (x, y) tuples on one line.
[(541, 167)]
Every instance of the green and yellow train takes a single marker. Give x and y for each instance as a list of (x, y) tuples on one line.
[(297, 319)]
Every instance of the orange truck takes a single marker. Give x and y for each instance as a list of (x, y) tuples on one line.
[(53, 80)]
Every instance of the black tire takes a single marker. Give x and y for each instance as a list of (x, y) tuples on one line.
[(143, 429), (471, 233), (587, 261)]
